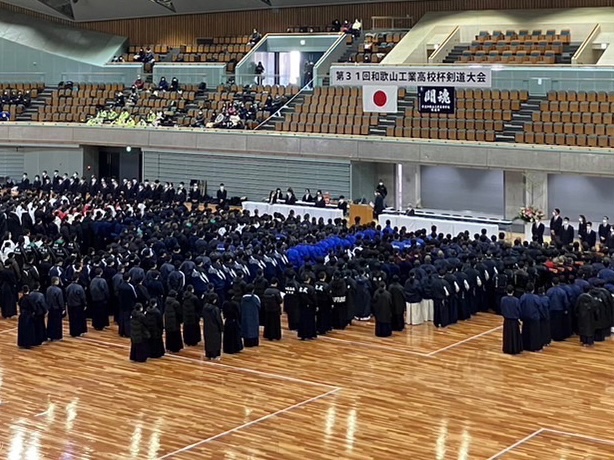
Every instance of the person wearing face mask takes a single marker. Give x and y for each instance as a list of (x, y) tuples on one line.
[(582, 227), (567, 233), (604, 230), (555, 225), (591, 235), (381, 189), (222, 196), (320, 202), (537, 232), (610, 240)]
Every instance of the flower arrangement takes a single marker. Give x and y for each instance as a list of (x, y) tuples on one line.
[(530, 214)]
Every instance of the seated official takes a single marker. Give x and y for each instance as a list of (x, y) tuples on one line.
[(320, 202), (308, 197), (290, 197)]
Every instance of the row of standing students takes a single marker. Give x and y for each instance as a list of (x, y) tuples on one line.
[(591, 318)]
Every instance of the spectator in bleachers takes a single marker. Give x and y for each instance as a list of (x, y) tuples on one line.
[(140, 56), (139, 84), (119, 58), (259, 70), (199, 120), (163, 85), (133, 97), (149, 60), (174, 84), (255, 37), (356, 28), (346, 28), (120, 99), (5, 116)]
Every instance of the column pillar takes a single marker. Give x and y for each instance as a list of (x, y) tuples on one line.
[(408, 185)]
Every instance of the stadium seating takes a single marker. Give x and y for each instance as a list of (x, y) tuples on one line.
[(17, 92), (480, 115), (374, 47), (575, 118), (333, 110)]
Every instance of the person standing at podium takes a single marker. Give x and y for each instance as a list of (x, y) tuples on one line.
[(378, 204)]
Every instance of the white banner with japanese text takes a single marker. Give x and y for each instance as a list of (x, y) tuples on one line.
[(410, 76)]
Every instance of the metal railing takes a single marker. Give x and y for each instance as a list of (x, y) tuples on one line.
[(306, 87)]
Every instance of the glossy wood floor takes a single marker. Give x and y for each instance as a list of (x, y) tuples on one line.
[(422, 394)]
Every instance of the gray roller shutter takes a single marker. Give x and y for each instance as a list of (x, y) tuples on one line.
[(574, 195), (251, 176), (11, 164)]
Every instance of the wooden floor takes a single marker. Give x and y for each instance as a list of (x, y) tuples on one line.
[(423, 394)]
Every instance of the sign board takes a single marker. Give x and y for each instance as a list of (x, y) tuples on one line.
[(437, 99), (411, 76)]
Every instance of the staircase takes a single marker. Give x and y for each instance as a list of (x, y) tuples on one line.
[(389, 120), (568, 52), (510, 128), (36, 105), (269, 125), (353, 48), (455, 55)]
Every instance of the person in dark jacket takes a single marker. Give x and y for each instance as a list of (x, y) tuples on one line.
[(544, 317), (307, 306), (362, 299), (232, 328), (155, 327), (250, 317), (212, 327), (57, 309), (76, 302), (530, 317), (99, 293), (382, 310), (537, 232), (567, 233), (398, 304), (126, 295), (191, 324), (172, 323), (26, 332), (139, 335), (8, 291), (272, 300), (510, 310)]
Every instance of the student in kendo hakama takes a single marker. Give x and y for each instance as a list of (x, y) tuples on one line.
[(172, 323), (8, 291), (250, 317), (191, 324), (139, 335), (324, 305), (39, 303), (530, 317), (26, 331), (213, 327), (510, 310), (560, 324), (57, 309), (586, 313), (307, 309), (272, 301), (233, 342), (100, 295), (291, 306), (338, 292), (441, 291), (544, 317), (76, 303), (398, 304), (382, 310), (413, 300), (155, 326)]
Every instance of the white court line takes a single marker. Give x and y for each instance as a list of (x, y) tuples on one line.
[(581, 436), (516, 444), (248, 424), (490, 331), (378, 347), (226, 366)]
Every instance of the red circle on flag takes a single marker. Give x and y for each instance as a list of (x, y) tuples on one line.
[(380, 98)]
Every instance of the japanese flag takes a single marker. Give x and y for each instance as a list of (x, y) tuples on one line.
[(379, 99)]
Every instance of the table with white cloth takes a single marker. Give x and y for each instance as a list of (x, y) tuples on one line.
[(453, 227), (299, 210)]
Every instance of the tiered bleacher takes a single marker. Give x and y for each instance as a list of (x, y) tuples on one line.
[(516, 47), (480, 115), (375, 47), (333, 110), (15, 98), (575, 118)]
